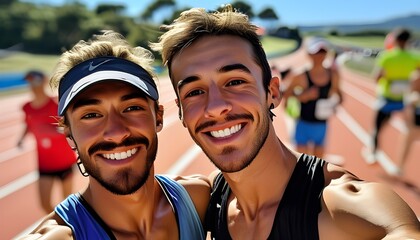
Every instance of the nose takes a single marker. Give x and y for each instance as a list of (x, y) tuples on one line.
[(115, 130), (217, 104)]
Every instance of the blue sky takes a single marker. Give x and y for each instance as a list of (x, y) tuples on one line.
[(293, 12)]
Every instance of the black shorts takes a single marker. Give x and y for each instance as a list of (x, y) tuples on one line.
[(417, 116), (61, 174)]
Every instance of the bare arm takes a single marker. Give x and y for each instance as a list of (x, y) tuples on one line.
[(374, 209), (52, 227)]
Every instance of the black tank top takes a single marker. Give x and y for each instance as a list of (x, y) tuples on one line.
[(307, 109), (297, 213)]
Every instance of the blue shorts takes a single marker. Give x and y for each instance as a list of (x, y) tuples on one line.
[(389, 106), (307, 132)]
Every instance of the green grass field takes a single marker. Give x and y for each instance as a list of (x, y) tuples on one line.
[(22, 62), (365, 42), (273, 46)]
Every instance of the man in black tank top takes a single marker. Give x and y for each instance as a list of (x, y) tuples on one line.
[(317, 90), (226, 94)]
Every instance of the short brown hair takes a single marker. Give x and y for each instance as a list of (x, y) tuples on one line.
[(196, 23)]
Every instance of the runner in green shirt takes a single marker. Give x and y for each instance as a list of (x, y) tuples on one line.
[(394, 67)]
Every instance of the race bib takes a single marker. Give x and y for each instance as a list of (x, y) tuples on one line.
[(324, 108), (399, 87)]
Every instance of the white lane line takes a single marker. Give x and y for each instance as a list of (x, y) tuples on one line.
[(370, 101), (357, 130), (384, 160), (169, 120), (185, 160), (18, 184), (358, 94), (14, 152)]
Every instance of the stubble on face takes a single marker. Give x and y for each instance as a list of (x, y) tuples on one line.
[(245, 156), (127, 180)]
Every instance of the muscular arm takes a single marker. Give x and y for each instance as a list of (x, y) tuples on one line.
[(374, 209), (52, 227)]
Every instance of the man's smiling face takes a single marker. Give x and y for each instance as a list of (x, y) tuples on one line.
[(114, 126), (222, 99)]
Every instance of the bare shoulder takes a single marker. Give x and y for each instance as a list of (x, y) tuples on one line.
[(373, 208), (52, 227), (198, 187), (199, 180)]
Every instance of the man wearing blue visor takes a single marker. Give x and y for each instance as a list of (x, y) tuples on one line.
[(109, 110)]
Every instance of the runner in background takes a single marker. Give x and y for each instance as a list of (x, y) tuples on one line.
[(394, 67), (317, 90), (55, 157), (412, 120)]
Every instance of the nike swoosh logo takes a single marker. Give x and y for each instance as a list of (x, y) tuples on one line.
[(92, 67)]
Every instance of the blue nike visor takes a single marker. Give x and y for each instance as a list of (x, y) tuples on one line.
[(99, 69)]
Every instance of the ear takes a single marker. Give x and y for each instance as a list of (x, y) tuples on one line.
[(69, 137), (180, 112), (159, 118), (274, 94)]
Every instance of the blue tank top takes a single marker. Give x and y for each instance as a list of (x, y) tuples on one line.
[(86, 224)]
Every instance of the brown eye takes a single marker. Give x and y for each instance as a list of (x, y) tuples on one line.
[(195, 93), (133, 108), (91, 115), (235, 82)]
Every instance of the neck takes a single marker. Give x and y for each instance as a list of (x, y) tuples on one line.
[(263, 182), (125, 212)]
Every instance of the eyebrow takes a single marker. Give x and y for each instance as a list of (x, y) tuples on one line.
[(93, 101), (84, 102), (224, 69)]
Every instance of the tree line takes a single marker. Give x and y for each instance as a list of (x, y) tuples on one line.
[(48, 29)]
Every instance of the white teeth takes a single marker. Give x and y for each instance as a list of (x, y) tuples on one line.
[(120, 155), (226, 132)]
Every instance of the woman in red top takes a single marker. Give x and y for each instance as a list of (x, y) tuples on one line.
[(55, 156)]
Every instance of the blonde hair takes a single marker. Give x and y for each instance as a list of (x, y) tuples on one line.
[(109, 43)]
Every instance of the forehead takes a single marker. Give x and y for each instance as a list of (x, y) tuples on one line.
[(108, 85), (211, 52), (105, 90)]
